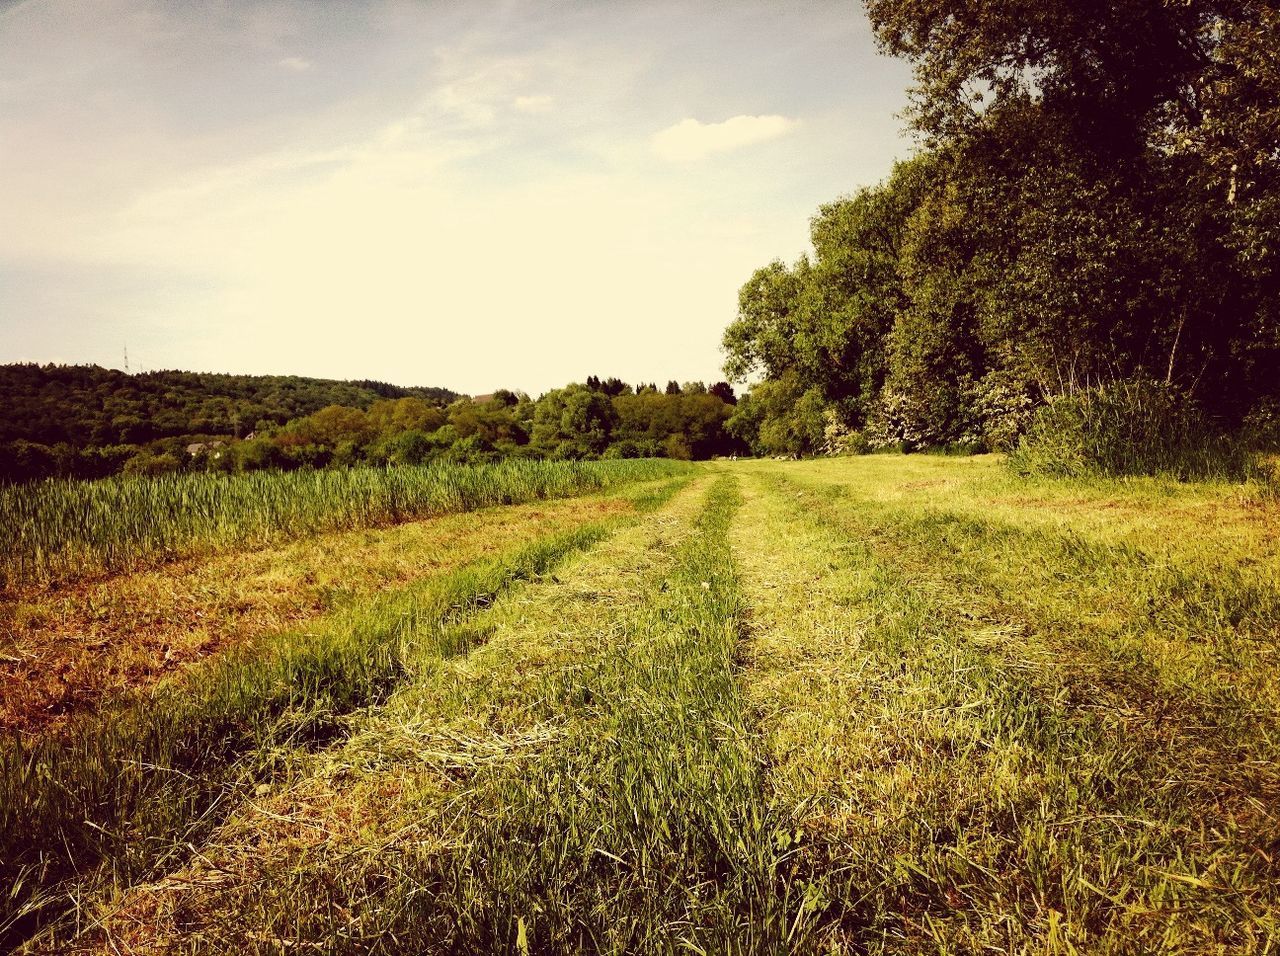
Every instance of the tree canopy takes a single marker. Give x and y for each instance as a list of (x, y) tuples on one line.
[(1096, 200)]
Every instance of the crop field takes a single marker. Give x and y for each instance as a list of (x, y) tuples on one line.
[(887, 704)]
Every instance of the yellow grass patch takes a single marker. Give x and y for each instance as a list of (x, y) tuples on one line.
[(68, 650)]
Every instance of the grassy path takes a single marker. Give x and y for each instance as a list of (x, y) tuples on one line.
[(409, 780), (832, 707), (969, 780), (121, 794)]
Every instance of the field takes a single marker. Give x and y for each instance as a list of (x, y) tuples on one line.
[(865, 705)]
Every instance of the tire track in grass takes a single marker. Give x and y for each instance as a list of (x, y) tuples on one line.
[(1184, 661), (642, 827), (122, 796), (950, 801), (338, 857)]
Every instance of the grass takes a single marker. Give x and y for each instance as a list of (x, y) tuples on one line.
[(579, 848), (62, 529), (395, 782), (1037, 752), (888, 704), (65, 651), (121, 790)]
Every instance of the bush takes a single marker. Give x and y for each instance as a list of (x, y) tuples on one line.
[(1262, 426), (1133, 427), (1002, 409), (622, 449), (838, 438), (146, 463), (895, 423)]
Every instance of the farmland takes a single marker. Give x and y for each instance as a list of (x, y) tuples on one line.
[(885, 704)]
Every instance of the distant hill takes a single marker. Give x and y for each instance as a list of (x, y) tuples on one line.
[(88, 406)]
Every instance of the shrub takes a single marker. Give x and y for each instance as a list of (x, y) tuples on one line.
[(895, 423), (839, 438), (1130, 427), (1262, 426), (1002, 409), (622, 449)]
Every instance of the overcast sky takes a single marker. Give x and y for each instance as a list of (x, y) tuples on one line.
[(470, 194)]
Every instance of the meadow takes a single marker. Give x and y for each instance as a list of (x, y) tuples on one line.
[(883, 704)]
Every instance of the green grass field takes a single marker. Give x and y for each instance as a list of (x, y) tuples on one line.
[(867, 705)]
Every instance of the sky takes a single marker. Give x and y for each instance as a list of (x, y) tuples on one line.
[(474, 194)]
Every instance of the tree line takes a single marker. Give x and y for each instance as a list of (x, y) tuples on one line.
[(1094, 210), (90, 422)]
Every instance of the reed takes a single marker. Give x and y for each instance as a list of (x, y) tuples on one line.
[(58, 529)]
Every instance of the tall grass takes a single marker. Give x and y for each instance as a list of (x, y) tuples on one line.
[(60, 529), (1136, 427), (127, 788)]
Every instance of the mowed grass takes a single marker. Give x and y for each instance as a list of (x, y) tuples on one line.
[(877, 705), (374, 846), (68, 650), (113, 796), (1004, 736)]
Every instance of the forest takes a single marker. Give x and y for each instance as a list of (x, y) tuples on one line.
[(1078, 263), (90, 422)]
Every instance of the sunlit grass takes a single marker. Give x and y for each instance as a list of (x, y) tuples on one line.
[(877, 705), (999, 736), (127, 789), (58, 529)]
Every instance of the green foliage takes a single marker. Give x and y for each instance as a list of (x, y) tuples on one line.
[(80, 410), (781, 417), (1098, 200), (147, 464), (580, 421), (1135, 427), (573, 422), (1003, 407)]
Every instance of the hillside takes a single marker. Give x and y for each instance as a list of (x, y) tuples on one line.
[(89, 406)]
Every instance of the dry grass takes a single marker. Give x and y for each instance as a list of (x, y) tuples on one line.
[(67, 650), (323, 853)]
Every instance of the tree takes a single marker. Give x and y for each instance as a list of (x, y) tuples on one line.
[(1108, 72), (1112, 167), (724, 392), (573, 422), (504, 398)]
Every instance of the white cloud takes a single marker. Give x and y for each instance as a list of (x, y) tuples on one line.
[(466, 102), (533, 104), (691, 139), (296, 64)]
